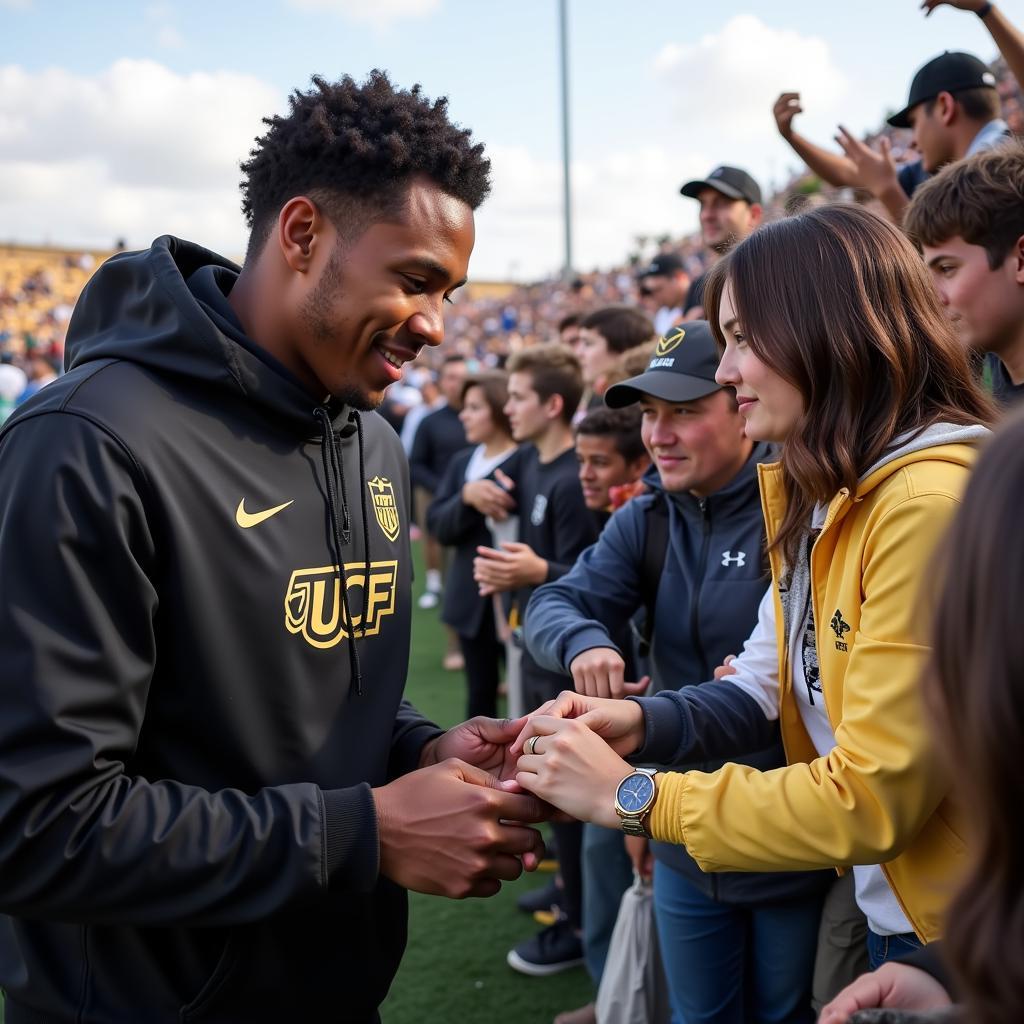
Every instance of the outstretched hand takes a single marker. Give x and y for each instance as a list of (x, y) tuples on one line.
[(482, 742), (961, 5), (452, 829), (619, 723), (893, 986), (876, 169), (572, 768), (601, 672)]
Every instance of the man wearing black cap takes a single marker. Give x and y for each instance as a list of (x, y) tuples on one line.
[(729, 941), (665, 281), (953, 111), (730, 209)]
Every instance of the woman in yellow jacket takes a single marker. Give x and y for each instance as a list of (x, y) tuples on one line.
[(838, 350)]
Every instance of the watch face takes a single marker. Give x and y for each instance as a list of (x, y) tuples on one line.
[(635, 792)]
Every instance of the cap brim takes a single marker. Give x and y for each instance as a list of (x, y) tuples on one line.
[(692, 189), (663, 384), (901, 119)]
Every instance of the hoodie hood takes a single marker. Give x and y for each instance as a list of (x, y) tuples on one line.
[(139, 307), (906, 446)]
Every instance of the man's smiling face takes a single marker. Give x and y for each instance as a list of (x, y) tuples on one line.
[(378, 300)]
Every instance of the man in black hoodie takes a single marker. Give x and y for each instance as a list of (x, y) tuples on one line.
[(212, 794)]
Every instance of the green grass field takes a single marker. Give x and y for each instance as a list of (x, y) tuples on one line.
[(454, 968)]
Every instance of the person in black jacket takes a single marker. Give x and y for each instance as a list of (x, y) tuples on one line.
[(457, 524), (438, 439), (736, 947), (212, 793)]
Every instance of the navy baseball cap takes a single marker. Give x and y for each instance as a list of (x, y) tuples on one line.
[(949, 72), (665, 264), (733, 182), (682, 368)]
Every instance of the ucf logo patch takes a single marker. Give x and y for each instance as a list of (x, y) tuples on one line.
[(313, 604), (384, 506)]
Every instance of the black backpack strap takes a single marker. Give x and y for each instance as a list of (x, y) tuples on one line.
[(655, 548)]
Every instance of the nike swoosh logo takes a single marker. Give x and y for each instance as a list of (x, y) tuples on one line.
[(248, 519)]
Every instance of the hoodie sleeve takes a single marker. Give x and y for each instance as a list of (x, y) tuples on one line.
[(569, 616), (81, 839)]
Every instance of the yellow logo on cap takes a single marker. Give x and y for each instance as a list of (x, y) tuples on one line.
[(670, 341)]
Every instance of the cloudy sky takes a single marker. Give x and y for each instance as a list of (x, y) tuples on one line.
[(128, 120)]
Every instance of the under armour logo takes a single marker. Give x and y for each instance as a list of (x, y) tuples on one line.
[(728, 558), (540, 507)]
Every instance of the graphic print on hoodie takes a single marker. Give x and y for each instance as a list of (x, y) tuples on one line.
[(190, 734)]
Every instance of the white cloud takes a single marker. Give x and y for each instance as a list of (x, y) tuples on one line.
[(134, 151), (723, 86), (169, 37), (616, 197), (16, 5), (378, 13)]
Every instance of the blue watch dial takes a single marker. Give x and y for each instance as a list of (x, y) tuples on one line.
[(635, 791)]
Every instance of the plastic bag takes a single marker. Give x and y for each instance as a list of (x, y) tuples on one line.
[(633, 988)]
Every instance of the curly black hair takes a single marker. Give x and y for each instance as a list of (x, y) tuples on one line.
[(348, 144)]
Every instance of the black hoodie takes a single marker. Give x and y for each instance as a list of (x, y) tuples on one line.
[(187, 735)]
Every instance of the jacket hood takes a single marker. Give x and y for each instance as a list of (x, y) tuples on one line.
[(139, 307), (914, 447)]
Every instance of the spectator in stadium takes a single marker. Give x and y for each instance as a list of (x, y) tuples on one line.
[(973, 691), (690, 552), (569, 329), (665, 283), (439, 437), (842, 353), (611, 455), (603, 336), (212, 794), (544, 389), (730, 208), (953, 111), (969, 223), (458, 523)]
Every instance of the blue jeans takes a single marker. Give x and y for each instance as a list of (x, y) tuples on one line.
[(607, 874), (730, 964), (883, 948)]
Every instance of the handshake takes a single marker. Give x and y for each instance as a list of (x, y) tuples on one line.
[(461, 824)]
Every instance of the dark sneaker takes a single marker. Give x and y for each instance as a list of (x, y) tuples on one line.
[(544, 898), (552, 950)]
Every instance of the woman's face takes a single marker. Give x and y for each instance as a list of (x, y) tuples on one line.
[(476, 417), (592, 351), (770, 406)]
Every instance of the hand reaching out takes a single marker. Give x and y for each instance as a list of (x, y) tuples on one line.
[(876, 170), (601, 672), (961, 5), (892, 986), (787, 106)]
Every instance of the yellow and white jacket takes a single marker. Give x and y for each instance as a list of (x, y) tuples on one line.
[(881, 795)]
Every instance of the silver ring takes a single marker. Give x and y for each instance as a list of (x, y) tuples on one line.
[(530, 746)]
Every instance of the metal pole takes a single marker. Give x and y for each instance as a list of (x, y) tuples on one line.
[(563, 24)]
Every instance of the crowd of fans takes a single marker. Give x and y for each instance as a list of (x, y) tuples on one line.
[(588, 458)]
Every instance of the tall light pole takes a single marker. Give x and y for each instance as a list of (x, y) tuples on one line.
[(563, 25)]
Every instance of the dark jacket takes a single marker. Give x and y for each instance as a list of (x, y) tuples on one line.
[(439, 438), (462, 528), (187, 830), (714, 577)]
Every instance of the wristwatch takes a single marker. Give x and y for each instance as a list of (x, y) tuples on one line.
[(634, 799)]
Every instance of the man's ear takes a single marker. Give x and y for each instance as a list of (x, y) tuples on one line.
[(300, 233), (756, 214), (1017, 255), (946, 108), (637, 468), (553, 407)]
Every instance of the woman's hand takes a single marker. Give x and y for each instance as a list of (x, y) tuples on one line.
[(568, 765), (620, 723)]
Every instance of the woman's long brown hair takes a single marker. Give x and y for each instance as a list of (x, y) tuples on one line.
[(975, 690), (838, 303)]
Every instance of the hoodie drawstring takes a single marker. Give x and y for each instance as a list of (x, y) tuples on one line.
[(341, 526)]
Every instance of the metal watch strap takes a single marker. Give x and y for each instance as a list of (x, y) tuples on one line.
[(635, 824)]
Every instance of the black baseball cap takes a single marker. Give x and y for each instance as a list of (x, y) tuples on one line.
[(949, 72), (733, 182), (682, 368), (665, 264)]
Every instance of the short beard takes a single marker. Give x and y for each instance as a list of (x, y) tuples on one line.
[(316, 313)]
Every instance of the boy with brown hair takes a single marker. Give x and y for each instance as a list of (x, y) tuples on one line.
[(968, 222)]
